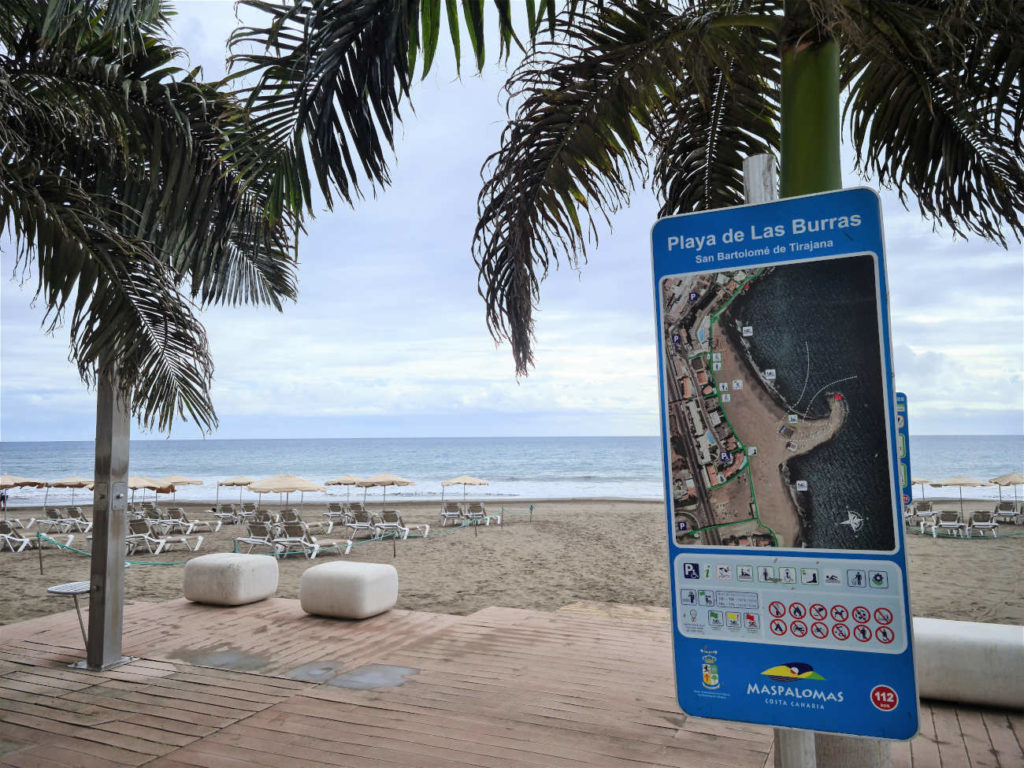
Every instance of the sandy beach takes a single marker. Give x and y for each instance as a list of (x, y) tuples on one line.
[(587, 550)]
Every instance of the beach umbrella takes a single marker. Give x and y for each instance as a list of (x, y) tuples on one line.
[(286, 484), (176, 480), (241, 482), (142, 483), (922, 483), (960, 482), (462, 480), (1010, 478), (13, 481), (74, 482), (346, 480), (383, 480)]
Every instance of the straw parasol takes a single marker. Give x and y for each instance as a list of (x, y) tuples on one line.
[(346, 480), (74, 482), (142, 483), (1010, 478), (241, 482), (960, 482), (176, 480), (13, 481), (286, 484), (462, 480), (922, 483), (383, 480)]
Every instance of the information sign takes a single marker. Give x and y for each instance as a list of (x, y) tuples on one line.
[(903, 450), (786, 551)]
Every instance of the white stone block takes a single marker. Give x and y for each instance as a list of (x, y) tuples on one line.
[(970, 662), (229, 578), (348, 590)]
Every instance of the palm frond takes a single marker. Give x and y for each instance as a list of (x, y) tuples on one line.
[(935, 107), (331, 75), (713, 120), (574, 147)]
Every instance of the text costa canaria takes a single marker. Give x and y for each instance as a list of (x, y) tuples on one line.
[(760, 233)]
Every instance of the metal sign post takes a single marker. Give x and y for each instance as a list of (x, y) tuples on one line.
[(787, 564)]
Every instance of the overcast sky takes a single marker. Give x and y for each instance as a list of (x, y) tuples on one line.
[(388, 339)]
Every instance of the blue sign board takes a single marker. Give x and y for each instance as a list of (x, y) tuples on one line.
[(903, 450), (786, 551)]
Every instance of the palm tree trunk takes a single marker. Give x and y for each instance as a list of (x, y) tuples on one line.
[(810, 106)]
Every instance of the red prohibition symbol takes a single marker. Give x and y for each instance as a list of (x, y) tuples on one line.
[(883, 615), (818, 611), (798, 628), (778, 627), (862, 632), (797, 610), (839, 613), (861, 615), (819, 630), (840, 632), (884, 635), (776, 609)]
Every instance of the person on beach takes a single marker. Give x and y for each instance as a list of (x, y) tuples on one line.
[(3, 501)]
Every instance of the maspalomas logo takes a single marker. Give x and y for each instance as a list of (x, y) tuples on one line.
[(794, 690), (709, 671), (796, 670)]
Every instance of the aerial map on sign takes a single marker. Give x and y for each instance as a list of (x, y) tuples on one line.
[(776, 408)]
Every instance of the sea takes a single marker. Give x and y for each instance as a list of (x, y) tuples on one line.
[(516, 468)]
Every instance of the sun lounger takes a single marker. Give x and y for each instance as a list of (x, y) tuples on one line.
[(336, 512), (296, 537), (1005, 512), (949, 520), (194, 525), (450, 511), (11, 539), (360, 521), (260, 535), (476, 514), (292, 516), (225, 513), (53, 521), (982, 520), (141, 532), (76, 518)]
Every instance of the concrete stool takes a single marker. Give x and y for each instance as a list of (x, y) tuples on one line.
[(348, 590), (229, 578)]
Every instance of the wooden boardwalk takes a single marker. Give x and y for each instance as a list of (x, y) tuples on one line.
[(266, 685)]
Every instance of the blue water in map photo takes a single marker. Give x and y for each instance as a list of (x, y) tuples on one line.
[(816, 324)]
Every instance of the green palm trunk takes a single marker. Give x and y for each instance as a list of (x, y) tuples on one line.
[(810, 110)]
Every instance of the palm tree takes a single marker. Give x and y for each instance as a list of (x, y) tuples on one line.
[(121, 193), (677, 92)]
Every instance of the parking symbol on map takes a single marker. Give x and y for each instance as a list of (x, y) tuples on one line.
[(776, 609), (883, 615), (884, 635), (691, 570), (798, 628), (839, 613), (862, 633), (818, 611), (861, 615), (778, 627), (693, 296), (677, 339), (819, 630), (724, 456), (748, 330), (840, 632)]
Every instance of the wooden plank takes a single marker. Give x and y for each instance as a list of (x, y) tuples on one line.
[(924, 750), (1005, 745), (952, 749), (975, 736)]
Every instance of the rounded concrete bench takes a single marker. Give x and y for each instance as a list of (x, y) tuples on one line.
[(970, 662), (229, 578), (348, 590)]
